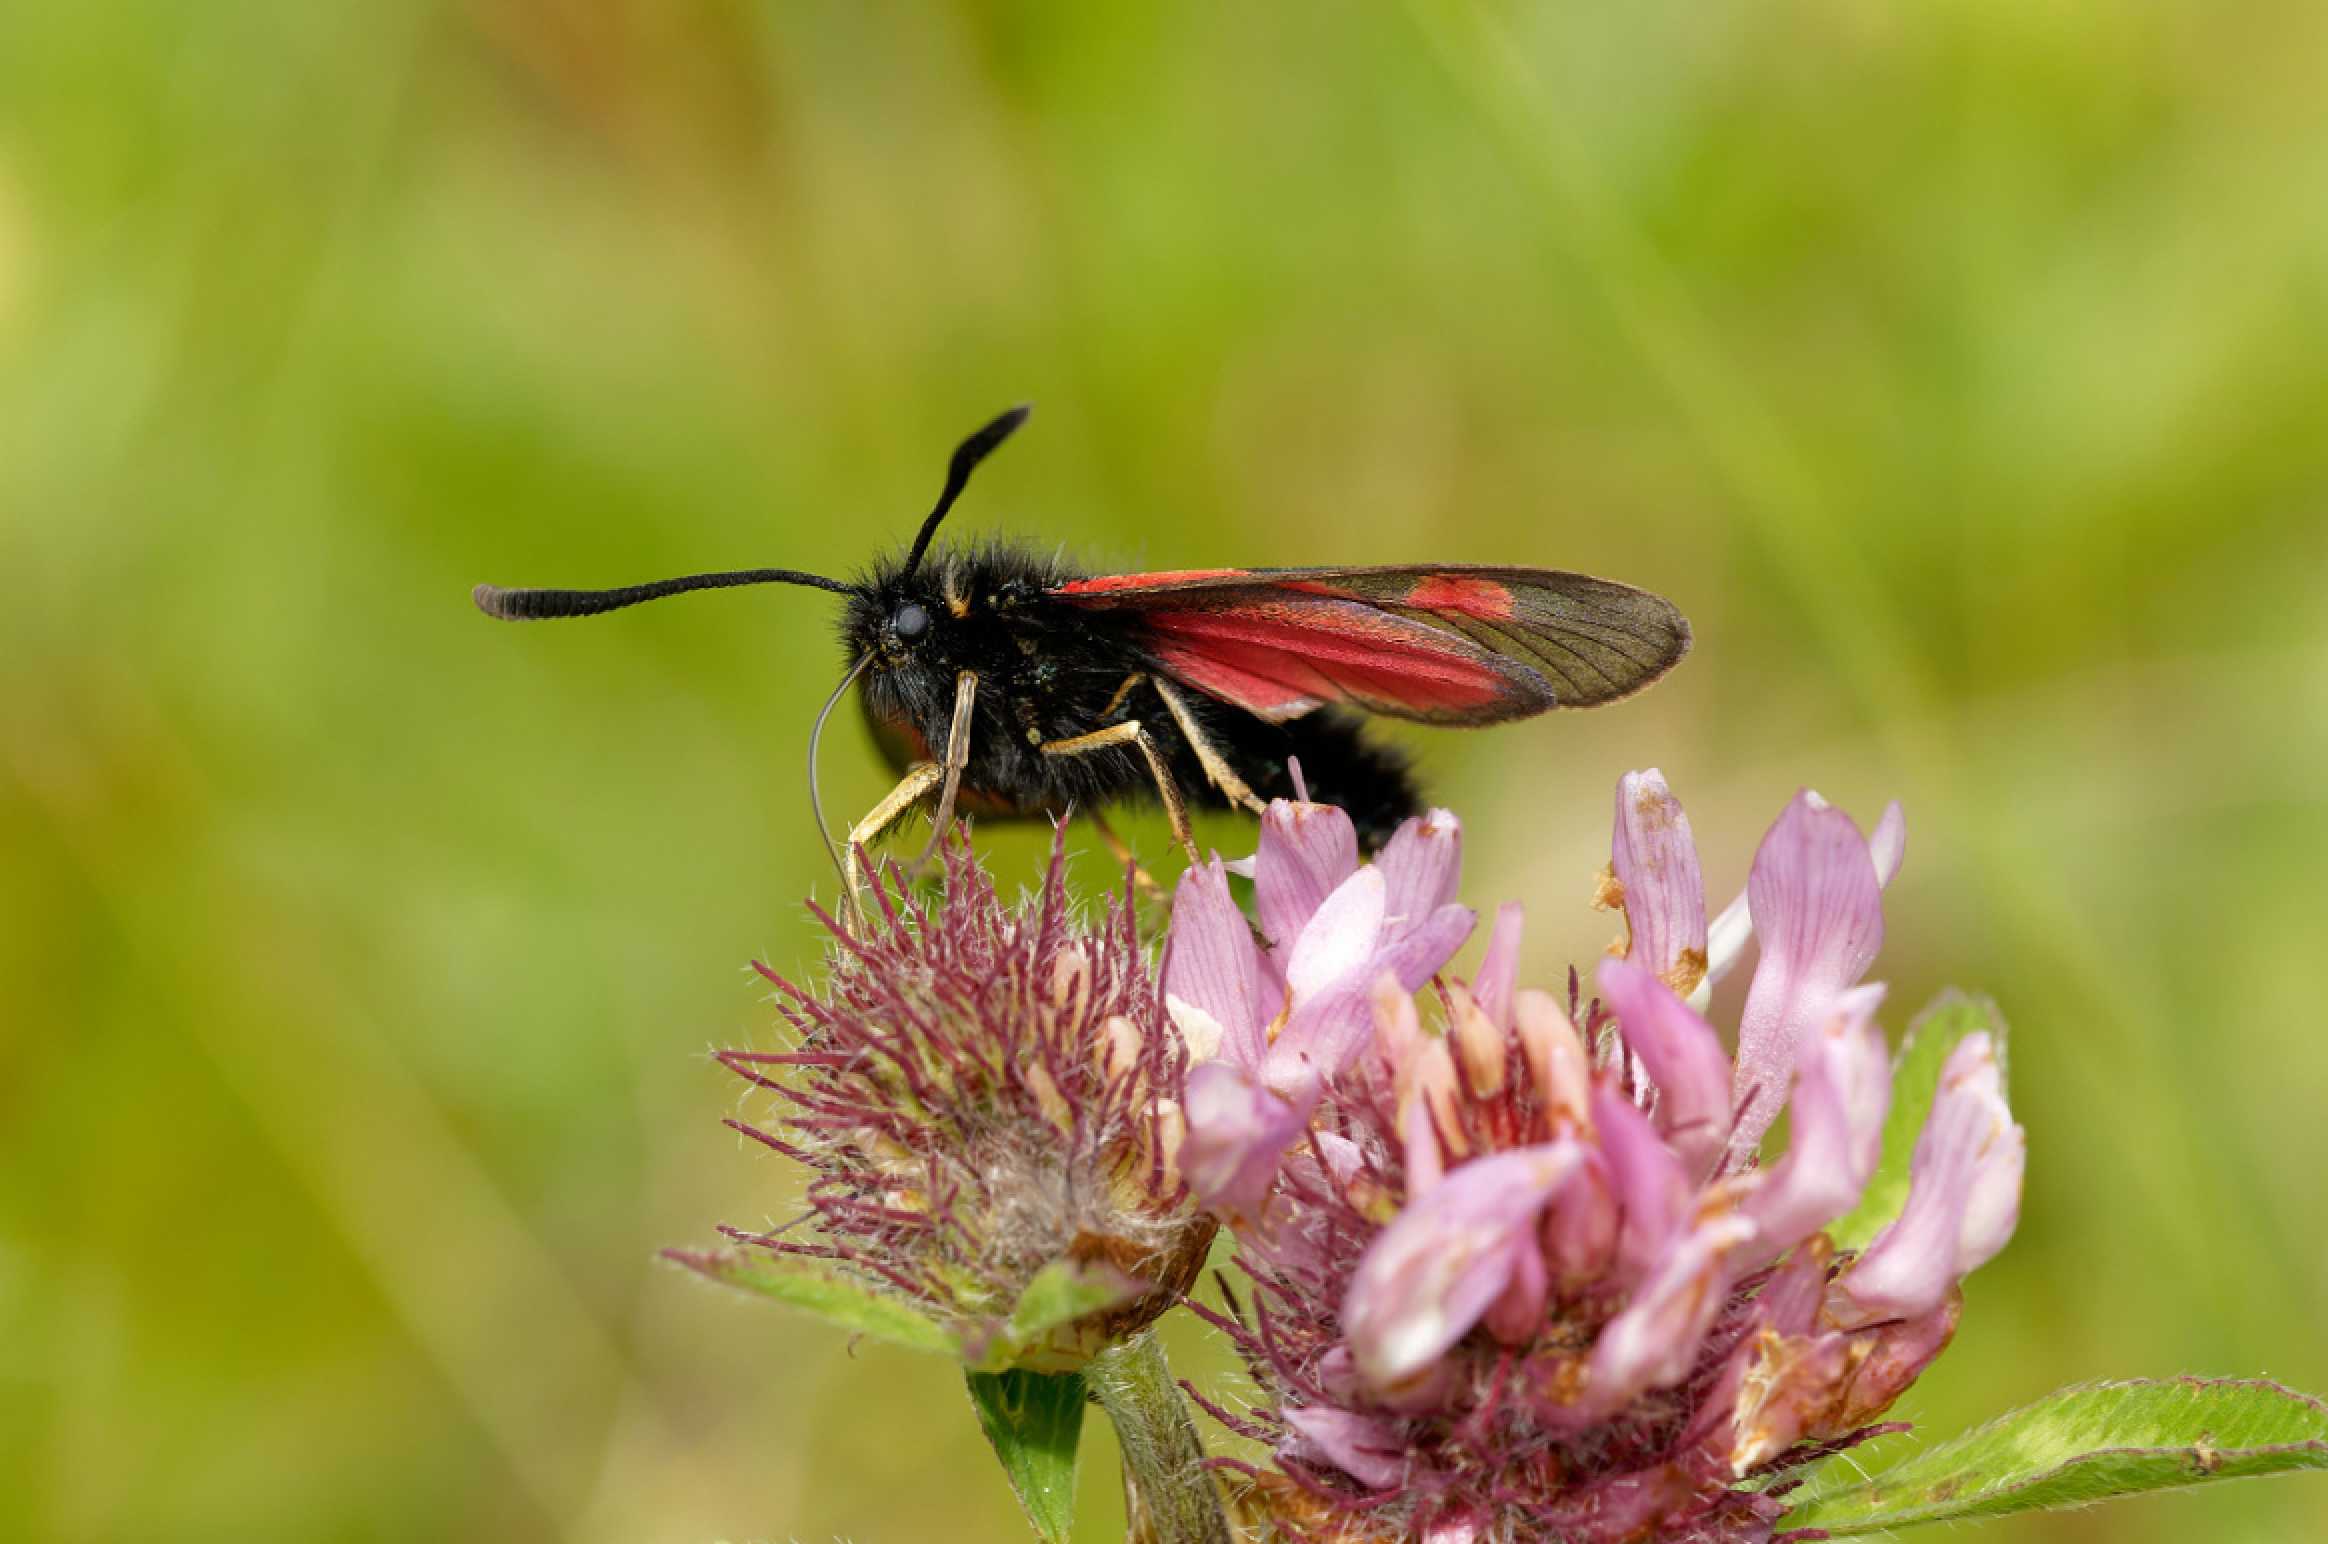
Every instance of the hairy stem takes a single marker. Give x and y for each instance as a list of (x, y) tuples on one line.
[(1168, 1493)]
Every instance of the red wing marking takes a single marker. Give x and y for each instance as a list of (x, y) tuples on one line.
[(1281, 661), (1443, 643), (1481, 598), (1111, 584)]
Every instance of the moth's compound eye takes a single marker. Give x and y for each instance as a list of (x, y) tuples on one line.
[(911, 621)]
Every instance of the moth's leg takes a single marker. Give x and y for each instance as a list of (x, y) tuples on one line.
[(1216, 766), (957, 757), (1129, 732), (1145, 881), (1131, 682), (919, 779)]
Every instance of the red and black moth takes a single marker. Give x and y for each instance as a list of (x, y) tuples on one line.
[(999, 681)]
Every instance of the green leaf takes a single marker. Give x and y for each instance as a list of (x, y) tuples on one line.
[(1061, 1293), (1034, 1420), (1064, 1291), (1058, 1295), (849, 1304), (1915, 1079), (2079, 1446)]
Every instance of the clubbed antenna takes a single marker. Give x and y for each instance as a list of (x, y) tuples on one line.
[(967, 455), (537, 605)]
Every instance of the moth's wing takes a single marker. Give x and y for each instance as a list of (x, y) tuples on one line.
[(1281, 653), (1439, 643)]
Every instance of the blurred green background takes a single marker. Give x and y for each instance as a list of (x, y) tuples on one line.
[(1957, 366)]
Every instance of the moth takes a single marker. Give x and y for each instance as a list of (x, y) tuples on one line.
[(999, 681)]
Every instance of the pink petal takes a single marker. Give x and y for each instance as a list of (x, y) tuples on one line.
[(1654, 1343), (1398, 1039), (1210, 963), (1425, 1157), (1517, 1316), (1728, 934), (1964, 1194), (1555, 1055), (1652, 1190), (1483, 1050), (1684, 1058), (1332, 1019), (1819, 912), (1789, 1301), (1431, 1081), (1895, 1354), (1368, 1448), (1582, 1225), (1421, 949), (1340, 937), (1993, 1210), (1428, 1277), (1421, 865), (1238, 1132), (1861, 1062), (1656, 862), (1499, 967), (1307, 851), (1323, 1035), (1330, 974), (1835, 1131)]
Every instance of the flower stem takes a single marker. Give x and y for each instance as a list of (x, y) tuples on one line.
[(1168, 1493)]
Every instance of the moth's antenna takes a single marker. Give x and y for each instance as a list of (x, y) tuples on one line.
[(967, 455), (538, 605), (815, 796)]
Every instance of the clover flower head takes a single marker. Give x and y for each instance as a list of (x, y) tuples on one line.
[(1522, 1264), (1521, 1272), (987, 1102)]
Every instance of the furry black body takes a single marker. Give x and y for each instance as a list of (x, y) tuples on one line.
[(1049, 671)]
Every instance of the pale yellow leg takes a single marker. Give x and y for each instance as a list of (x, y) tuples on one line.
[(919, 779), (1129, 732), (1121, 692), (957, 757), (1216, 767)]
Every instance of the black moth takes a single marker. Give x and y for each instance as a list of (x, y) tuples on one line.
[(1003, 683)]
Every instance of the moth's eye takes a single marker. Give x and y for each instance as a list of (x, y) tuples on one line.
[(911, 621)]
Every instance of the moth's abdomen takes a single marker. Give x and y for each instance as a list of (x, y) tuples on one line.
[(1340, 765)]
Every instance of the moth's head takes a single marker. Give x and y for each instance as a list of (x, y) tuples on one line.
[(903, 622)]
